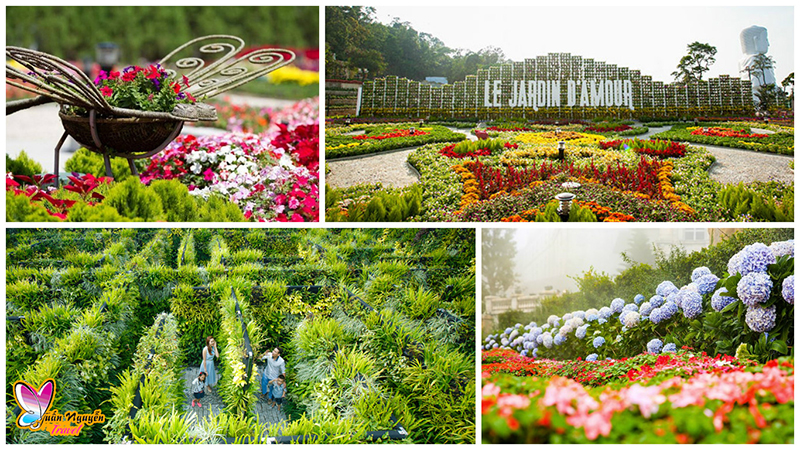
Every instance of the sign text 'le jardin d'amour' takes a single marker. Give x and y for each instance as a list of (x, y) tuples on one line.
[(547, 93)]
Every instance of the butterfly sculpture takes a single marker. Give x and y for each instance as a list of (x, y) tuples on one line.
[(210, 65), (34, 403)]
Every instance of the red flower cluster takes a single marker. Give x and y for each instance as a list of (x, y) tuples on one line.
[(643, 178), (302, 142), (34, 188), (725, 132), (395, 134), (509, 129), (652, 147), (448, 151)]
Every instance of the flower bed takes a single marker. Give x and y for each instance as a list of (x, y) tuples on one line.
[(385, 137), (781, 142), (641, 179)]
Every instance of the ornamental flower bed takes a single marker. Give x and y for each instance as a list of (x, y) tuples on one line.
[(641, 180), (250, 171), (378, 138), (724, 132), (642, 371), (781, 142)]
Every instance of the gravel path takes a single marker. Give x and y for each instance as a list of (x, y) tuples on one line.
[(390, 168), (735, 165)]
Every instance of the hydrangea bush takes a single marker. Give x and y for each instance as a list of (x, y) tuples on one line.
[(751, 305)]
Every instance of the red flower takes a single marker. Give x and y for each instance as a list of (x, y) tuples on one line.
[(154, 73), (129, 76), (185, 81), (113, 75), (176, 87), (106, 91)]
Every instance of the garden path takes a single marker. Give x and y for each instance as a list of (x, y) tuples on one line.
[(735, 165), (390, 168), (213, 404)]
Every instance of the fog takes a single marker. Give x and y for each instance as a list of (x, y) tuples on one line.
[(547, 258)]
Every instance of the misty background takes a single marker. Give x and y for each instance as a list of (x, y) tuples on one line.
[(528, 261)]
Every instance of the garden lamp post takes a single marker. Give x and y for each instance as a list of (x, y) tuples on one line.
[(561, 148), (565, 201), (107, 55)]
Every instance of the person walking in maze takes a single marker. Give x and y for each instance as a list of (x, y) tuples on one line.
[(199, 388), (278, 390), (275, 367), (207, 365)]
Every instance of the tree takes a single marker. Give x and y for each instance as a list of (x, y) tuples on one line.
[(497, 265), (761, 64), (767, 96), (788, 83), (698, 61)]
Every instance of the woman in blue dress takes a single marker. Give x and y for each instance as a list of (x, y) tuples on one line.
[(207, 366)]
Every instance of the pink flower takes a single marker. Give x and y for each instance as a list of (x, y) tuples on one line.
[(208, 175), (490, 390)]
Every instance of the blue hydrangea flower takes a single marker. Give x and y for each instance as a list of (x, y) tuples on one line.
[(601, 321), (638, 299), (669, 309), (535, 353), (760, 319), (692, 305), (673, 297), (540, 339), (707, 283), (783, 248), (669, 348), (754, 288), (665, 288), (657, 300), (788, 289), (645, 308), (630, 307), (622, 316), (592, 357), (547, 340), (654, 346), (580, 333), (559, 339), (598, 341), (753, 258), (699, 272), (605, 312), (545, 326), (591, 317), (495, 346), (552, 319), (524, 353), (566, 317), (631, 319), (719, 301), (617, 304), (656, 316)]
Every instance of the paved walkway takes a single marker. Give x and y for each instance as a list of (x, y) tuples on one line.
[(391, 168), (213, 404), (734, 165)]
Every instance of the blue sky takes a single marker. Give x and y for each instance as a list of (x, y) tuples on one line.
[(649, 38)]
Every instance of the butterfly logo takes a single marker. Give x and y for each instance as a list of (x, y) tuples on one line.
[(34, 403)]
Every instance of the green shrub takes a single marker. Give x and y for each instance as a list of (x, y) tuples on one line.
[(86, 161), (742, 200), (23, 165), (177, 203), (19, 208), (135, 201)]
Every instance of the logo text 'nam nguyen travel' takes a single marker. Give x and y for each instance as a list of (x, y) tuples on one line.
[(37, 416)]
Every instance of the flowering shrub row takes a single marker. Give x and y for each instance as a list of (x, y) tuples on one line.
[(684, 398)]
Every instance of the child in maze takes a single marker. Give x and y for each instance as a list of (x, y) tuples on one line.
[(278, 390), (199, 388)]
